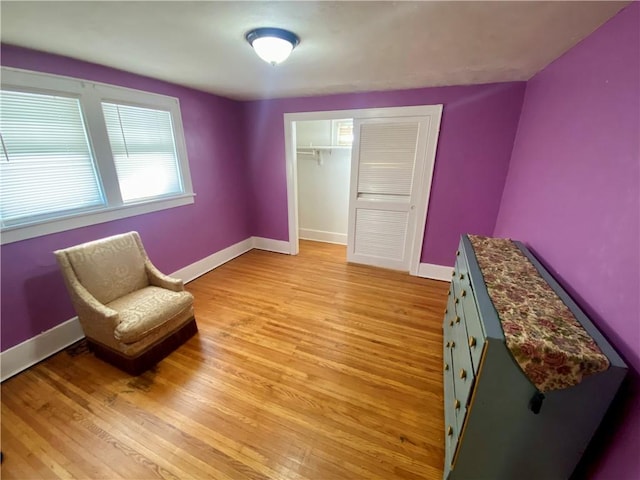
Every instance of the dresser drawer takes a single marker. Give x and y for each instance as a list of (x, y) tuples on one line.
[(467, 308), (450, 316), (462, 372), (459, 411), (451, 434), (448, 389), (475, 336), (450, 423)]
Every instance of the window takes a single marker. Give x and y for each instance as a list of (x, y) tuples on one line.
[(46, 164), (75, 153), (342, 132), (143, 151)]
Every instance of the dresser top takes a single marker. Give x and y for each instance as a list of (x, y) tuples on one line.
[(550, 345)]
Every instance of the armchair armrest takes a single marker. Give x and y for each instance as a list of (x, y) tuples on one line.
[(89, 302), (97, 320), (159, 279)]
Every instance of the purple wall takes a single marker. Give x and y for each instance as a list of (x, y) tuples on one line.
[(573, 195), (476, 137), (33, 296)]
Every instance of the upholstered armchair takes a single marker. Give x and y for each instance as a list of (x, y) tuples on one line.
[(132, 315)]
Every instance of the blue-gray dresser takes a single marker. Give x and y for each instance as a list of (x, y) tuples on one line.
[(527, 376)]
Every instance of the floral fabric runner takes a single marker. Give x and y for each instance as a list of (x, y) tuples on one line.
[(544, 337)]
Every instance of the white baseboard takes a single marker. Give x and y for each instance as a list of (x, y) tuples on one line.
[(278, 246), (322, 236), (30, 352), (435, 272), (199, 268)]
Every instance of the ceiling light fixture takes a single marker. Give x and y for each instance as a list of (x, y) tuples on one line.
[(273, 45)]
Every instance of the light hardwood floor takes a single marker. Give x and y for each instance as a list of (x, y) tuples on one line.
[(304, 367)]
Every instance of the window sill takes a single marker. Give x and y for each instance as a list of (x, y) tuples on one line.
[(24, 232)]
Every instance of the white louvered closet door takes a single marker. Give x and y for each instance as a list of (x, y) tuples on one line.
[(388, 159)]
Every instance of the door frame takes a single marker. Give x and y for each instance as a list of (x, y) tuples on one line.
[(433, 111)]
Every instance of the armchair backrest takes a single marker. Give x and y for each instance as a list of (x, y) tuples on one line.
[(108, 268)]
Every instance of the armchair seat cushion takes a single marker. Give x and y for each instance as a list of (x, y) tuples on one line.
[(144, 311)]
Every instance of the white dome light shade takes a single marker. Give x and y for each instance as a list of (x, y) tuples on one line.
[(272, 50), (273, 45)]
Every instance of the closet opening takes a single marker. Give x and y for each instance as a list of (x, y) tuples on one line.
[(323, 170)]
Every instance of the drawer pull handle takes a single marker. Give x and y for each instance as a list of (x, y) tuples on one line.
[(462, 276), (449, 431), (463, 373), (453, 274), (457, 300), (457, 253), (464, 293), (451, 323), (472, 341), (446, 367), (453, 344), (456, 404), (446, 311), (448, 344), (457, 319)]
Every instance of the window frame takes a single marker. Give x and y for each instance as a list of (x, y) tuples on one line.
[(91, 96)]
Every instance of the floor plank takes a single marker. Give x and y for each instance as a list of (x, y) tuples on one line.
[(304, 367)]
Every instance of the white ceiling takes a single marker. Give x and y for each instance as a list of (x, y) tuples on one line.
[(345, 46)]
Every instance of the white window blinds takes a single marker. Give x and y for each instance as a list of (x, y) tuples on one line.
[(144, 151), (344, 131), (46, 164)]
